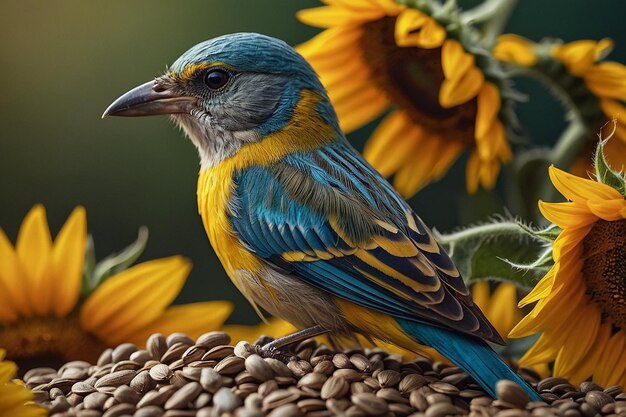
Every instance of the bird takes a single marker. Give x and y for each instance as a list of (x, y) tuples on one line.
[(305, 228)]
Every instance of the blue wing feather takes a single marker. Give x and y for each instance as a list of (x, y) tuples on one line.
[(331, 219)]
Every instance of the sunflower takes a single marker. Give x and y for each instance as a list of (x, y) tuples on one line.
[(580, 305), (377, 55), (15, 400), (44, 320), (596, 88)]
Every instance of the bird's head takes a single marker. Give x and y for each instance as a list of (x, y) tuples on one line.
[(229, 91)]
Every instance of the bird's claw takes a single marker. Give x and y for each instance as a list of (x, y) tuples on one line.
[(261, 348)]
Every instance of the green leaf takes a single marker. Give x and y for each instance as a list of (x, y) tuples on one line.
[(604, 173), (112, 264), (503, 250)]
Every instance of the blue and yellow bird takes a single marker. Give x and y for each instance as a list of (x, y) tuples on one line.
[(305, 228)]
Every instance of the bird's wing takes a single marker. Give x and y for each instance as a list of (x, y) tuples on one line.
[(331, 219)]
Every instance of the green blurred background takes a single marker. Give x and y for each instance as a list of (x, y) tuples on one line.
[(63, 62)]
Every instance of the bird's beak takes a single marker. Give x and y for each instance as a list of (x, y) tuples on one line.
[(149, 99)]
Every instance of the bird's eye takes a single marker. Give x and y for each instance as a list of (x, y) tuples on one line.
[(216, 78)]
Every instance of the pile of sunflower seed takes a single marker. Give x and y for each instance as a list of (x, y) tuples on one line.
[(178, 377)]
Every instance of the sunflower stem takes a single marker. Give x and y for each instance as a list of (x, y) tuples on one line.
[(493, 14)]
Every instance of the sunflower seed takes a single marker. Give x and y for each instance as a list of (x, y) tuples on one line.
[(156, 398), (512, 393), (156, 345), (597, 399), (142, 382), (149, 411), (210, 380), (160, 372), (224, 400), (388, 378), (174, 352), (193, 353), (95, 400), (105, 357), (280, 397), (125, 394), (341, 360), (279, 368), (444, 388), (334, 387), (211, 339), (140, 356), (360, 362), (118, 410), (125, 365), (441, 410), (287, 410), (184, 395), (202, 400), (218, 352), (311, 404), (300, 368), (258, 368), (230, 365), (312, 380), (350, 375), (370, 403), (243, 349)]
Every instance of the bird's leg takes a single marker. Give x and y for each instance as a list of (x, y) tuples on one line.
[(271, 349)]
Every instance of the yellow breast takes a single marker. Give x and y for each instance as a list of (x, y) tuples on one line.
[(305, 131)]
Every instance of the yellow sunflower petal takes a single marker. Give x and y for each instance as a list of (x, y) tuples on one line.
[(34, 247), (13, 294), (472, 172), (513, 48), (580, 189), (607, 79), (558, 306), (392, 143), (566, 214), (480, 295), (327, 44), (414, 28), (330, 16), (609, 210), (613, 109), (489, 144), (68, 256), (431, 36), (542, 351), (579, 56), (489, 171), (449, 153), (579, 340), (488, 106), (359, 109), (455, 62), (454, 92), (503, 311), (541, 290), (417, 173), (191, 319), (130, 300), (612, 354)]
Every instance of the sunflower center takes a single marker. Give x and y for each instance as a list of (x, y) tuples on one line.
[(604, 269), (412, 77), (48, 341)]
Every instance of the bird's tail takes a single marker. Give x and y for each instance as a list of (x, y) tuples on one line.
[(471, 354)]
